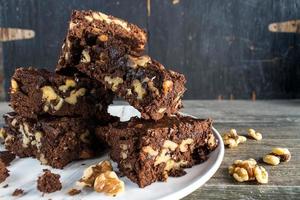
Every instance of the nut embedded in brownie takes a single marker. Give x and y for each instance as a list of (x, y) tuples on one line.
[(148, 151), (35, 92), (109, 58), (142, 81), (54, 141), (49, 182), (87, 28)]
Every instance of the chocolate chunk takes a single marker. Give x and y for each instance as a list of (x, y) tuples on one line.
[(73, 192), (49, 182), (6, 157), (18, 192)]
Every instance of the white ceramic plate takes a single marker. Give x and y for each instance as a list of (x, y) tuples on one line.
[(24, 173)]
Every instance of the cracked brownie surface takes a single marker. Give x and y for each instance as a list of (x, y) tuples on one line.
[(148, 151)]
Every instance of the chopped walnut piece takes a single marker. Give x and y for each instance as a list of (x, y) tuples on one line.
[(261, 174), (91, 173), (109, 183), (232, 139), (246, 170), (255, 135), (14, 86), (283, 153), (271, 159)]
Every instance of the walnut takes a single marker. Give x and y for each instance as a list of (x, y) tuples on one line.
[(138, 89), (283, 153), (163, 157), (152, 87), (247, 170), (43, 159), (59, 104), (2, 133), (183, 147), (161, 110), (14, 86), (211, 142), (232, 139), (49, 94), (150, 151), (261, 174), (167, 86), (240, 174), (90, 173), (85, 57), (88, 18), (84, 137), (72, 99), (170, 145), (135, 62), (114, 82), (72, 25), (255, 135), (68, 84), (109, 183), (103, 38), (271, 159)]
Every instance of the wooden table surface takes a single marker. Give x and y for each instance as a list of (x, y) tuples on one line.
[(278, 121)]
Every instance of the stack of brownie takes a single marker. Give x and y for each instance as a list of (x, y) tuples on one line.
[(103, 56), (54, 116), (162, 142)]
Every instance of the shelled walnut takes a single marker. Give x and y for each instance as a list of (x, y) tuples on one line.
[(232, 139), (248, 170), (277, 155), (255, 135), (102, 178)]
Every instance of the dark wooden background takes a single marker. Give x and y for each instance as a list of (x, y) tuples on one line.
[(223, 47)]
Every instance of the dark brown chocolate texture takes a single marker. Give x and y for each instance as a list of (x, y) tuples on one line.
[(7, 157), (36, 92), (113, 59), (54, 141), (4, 173), (49, 182), (148, 151)]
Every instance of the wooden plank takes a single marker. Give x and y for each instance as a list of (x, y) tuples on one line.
[(225, 48), (245, 192)]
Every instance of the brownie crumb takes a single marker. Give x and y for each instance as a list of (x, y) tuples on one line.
[(5, 186), (73, 192), (49, 182), (18, 192), (6, 157), (3, 172)]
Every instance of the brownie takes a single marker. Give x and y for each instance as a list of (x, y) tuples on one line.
[(137, 78), (147, 151), (55, 141), (18, 192), (49, 182), (88, 28), (6, 157), (4, 173), (36, 92)]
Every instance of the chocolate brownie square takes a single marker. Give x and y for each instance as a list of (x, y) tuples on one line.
[(36, 92), (148, 151), (55, 141), (96, 29)]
